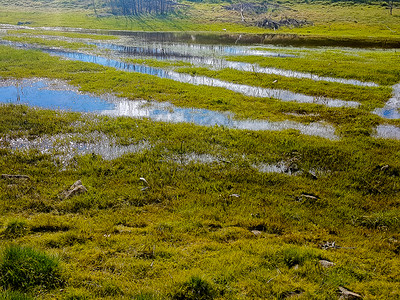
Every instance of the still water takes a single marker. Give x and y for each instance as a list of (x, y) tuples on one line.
[(283, 95), (56, 94)]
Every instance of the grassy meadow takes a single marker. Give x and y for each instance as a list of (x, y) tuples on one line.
[(200, 212)]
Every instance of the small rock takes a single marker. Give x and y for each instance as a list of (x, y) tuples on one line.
[(346, 294), (75, 189), (8, 176), (326, 263), (256, 232), (329, 245), (235, 195)]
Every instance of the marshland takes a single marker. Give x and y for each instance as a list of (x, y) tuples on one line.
[(197, 152)]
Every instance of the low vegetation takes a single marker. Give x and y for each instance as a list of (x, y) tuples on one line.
[(328, 23), (202, 212), (24, 269), (220, 229)]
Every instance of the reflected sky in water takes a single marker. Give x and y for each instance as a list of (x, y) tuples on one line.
[(283, 95), (51, 95), (211, 55), (391, 108)]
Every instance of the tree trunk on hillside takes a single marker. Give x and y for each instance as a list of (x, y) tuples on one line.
[(241, 13), (94, 7)]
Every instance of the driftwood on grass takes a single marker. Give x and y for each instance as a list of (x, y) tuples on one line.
[(17, 176)]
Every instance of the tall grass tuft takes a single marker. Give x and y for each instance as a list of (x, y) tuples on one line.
[(23, 268)]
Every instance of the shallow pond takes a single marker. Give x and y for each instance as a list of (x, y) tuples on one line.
[(212, 56), (387, 132), (223, 37), (391, 108), (58, 95), (283, 95), (64, 147)]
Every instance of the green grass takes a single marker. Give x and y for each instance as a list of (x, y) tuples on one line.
[(195, 288), (15, 228), (216, 230), (369, 96), (157, 63), (379, 66), (120, 241), (75, 35), (48, 43), (332, 23), (12, 295), (23, 269)]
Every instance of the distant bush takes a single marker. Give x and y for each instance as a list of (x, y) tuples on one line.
[(195, 289), (23, 268)]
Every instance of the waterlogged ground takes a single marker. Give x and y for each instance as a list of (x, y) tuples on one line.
[(141, 52), (220, 170), (58, 95)]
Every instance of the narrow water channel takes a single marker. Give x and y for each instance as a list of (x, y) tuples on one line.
[(391, 108), (283, 95), (57, 95), (210, 56)]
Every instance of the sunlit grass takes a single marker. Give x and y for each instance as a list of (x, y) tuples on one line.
[(48, 43), (62, 34), (222, 229)]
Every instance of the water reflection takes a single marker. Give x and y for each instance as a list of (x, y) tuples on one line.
[(211, 56), (283, 95), (171, 50), (45, 94), (64, 147), (391, 108), (388, 132)]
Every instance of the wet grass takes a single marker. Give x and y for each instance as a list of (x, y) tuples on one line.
[(379, 66), (97, 79), (152, 227), (369, 96), (333, 24), (159, 63), (221, 229), (48, 43), (75, 35)]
